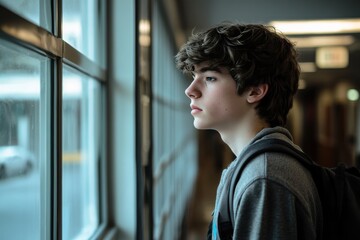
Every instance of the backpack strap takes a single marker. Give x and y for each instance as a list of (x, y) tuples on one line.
[(257, 148)]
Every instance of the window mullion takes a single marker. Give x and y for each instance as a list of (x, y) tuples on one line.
[(58, 121)]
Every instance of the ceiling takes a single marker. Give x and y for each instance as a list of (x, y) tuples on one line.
[(195, 15), (200, 14)]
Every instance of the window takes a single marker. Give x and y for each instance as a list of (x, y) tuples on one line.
[(52, 131), (174, 165), (36, 11), (22, 156), (81, 150), (81, 28)]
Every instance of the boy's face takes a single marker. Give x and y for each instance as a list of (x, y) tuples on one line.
[(215, 103)]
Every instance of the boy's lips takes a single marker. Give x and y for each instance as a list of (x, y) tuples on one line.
[(195, 109)]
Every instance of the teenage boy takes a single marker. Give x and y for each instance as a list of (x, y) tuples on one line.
[(244, 81)]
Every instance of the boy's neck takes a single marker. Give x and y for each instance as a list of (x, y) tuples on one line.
[(237, 139)]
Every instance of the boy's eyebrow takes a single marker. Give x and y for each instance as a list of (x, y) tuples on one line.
[(209, 68)]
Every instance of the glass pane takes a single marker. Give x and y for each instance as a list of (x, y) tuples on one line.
[(22, 97), (36, 11), (81, 150), (81, 28)]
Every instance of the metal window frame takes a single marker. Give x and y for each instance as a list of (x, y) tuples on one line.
[(24, 33), (35, 37)]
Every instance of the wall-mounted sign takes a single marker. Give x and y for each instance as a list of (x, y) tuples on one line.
[(332, 57)]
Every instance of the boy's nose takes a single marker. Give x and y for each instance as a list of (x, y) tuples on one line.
[(192, 91)]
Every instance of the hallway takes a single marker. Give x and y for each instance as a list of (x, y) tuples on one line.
[(214, 156)]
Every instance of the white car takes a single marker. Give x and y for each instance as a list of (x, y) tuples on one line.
[(15, 160)]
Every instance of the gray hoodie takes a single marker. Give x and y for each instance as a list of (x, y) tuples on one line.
[(275, 197)]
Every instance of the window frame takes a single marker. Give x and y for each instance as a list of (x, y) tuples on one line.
[(20, 31)]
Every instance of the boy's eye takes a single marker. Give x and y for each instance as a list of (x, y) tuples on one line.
[(210, 79)]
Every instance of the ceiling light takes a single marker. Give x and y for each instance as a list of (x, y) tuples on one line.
[(144, 27), (318, 26), (321, 41)]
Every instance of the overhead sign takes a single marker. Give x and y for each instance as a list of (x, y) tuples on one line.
[(332, 57)]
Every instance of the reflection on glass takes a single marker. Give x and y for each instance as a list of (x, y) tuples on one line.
[(31, 10), (21, 99), (81, 107), (81, 27)]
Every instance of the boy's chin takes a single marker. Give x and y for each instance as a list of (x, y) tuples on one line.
[(200, 126)]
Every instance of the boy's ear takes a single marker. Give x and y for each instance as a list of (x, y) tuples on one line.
[(255, 94)]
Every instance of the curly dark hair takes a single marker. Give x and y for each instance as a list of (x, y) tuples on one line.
[(253, 54)]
